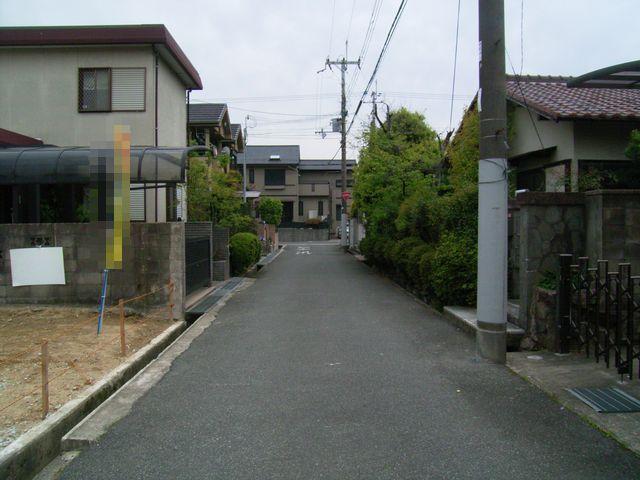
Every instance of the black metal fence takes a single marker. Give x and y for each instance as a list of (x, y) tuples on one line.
[(598, 311), (197, 256)]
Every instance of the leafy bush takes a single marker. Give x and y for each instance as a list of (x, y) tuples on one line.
[(548, 280), (454, 269), (400, 256), (413, 264), (245, 249), (237, 223), (425, 266), (270, 210)]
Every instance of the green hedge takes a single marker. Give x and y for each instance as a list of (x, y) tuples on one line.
[(238, 223), (245, 250)]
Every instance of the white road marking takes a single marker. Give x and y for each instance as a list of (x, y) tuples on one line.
[(303, 251)]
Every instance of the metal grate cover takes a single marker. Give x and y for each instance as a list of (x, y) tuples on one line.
[(607, 400), (214, 297)]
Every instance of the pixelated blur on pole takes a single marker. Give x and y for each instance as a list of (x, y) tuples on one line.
[(118, 227)]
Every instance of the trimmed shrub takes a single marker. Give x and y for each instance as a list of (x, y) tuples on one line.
[(238, 223), (454, 269), (270, 210), (245, 249)]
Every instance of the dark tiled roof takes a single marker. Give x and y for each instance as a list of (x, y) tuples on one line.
[(206, 112), (106, 35), (261, 155), (236, 128), (552, 98), (333, 165)]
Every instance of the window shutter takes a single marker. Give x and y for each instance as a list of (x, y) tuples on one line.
[(136, 203), (127, 89)]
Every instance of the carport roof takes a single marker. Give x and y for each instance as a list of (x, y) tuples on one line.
[(623, 75), (63, 165)]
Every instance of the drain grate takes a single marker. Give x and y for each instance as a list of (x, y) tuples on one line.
[(214, 297), (607, 400)]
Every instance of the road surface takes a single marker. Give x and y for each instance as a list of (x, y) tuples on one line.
[(324, 369)]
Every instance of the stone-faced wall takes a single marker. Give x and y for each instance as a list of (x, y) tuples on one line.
[(550, 224), (155, 254), (613, 226)]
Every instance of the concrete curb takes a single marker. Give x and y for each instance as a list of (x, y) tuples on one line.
[(33, 450), (94, 426)]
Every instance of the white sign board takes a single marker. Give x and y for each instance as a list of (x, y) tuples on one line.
[(37, 266)]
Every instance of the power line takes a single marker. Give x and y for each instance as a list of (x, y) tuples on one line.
[(281, 113), (333, 13), (524, 98), (392, 29), (353, 7), (375, 12), (455, 64), (521, 36)]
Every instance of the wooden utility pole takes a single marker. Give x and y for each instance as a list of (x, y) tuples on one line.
[(493, 185), (343, 63)]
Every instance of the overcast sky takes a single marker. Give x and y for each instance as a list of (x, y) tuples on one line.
[(262, 55)]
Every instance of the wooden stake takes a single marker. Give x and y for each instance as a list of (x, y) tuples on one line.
[(170, 300), (123, 345), (44, 361)]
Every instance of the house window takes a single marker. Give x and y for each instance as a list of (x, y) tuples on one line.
[(95, 90), (320, 208), (252, 175), (313, 187), (338, 212), (301, 208), (111, 90), (274, 176)]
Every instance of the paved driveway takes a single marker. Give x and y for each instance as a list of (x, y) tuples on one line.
[(325, 370)]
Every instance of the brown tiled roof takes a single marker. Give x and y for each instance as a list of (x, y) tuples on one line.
[(14, 139), (103, 35), (552, 98)]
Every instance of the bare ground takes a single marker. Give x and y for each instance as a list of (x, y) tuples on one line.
[(79, 357)]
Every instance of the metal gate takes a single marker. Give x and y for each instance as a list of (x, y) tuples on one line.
[(197, 243), (599, 310)]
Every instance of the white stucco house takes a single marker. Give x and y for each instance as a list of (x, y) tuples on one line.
[(69, 86)]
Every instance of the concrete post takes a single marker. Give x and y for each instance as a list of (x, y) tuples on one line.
[(492, 185)]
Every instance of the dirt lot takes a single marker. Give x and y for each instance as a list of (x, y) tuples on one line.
[(78, 356)]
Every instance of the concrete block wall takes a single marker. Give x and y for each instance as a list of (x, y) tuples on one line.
[(155, 254), (302, 234)]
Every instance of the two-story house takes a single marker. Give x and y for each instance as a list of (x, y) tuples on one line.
[(310, 190), (71, 85)]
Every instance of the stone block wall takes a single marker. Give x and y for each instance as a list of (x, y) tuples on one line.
[(154, 255), (613, 227), (549, 224)]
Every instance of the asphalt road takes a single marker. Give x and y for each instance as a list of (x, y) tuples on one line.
[(325, 370)]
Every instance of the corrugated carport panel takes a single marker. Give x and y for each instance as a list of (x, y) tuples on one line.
[(127, 89)]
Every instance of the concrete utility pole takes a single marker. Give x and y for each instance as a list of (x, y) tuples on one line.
[(492, 185), (343, 142)]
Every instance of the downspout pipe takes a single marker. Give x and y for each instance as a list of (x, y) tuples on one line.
[(157, 66), (188, 105)]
